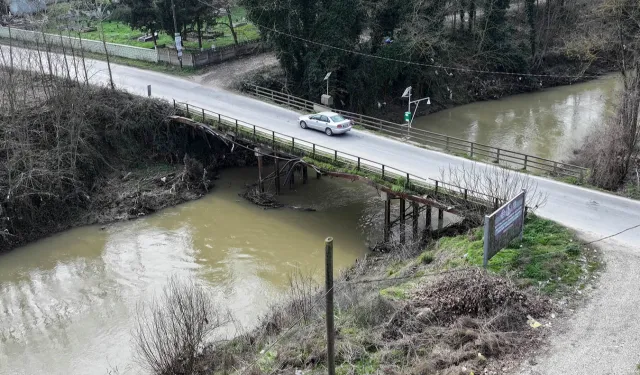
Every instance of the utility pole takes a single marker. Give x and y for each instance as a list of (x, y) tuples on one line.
[(177, 36)]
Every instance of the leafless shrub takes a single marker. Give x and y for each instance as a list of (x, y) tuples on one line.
[(487, 182), (608, 152), (173, 328)]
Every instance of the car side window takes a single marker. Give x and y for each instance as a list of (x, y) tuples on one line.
[(324, 118), (314, 117)]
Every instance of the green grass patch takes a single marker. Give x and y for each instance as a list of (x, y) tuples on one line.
[(121, 33), (426, 257), (548, 256), (365, 366)]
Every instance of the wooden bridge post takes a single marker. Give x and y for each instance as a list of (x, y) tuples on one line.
[(277, 172), (260, 181), (416, 217), (402, 220), (387, 218), (440, 218), (292, 177)]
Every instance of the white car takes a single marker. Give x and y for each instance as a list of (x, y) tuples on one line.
[(329, 122)]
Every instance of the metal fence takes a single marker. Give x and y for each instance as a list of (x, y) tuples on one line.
[(508, 158), (299, 147)]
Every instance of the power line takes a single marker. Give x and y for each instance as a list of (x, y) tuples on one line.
[(436, 66)]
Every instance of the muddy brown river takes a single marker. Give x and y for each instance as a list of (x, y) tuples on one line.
[(549, 124), (67, 303)]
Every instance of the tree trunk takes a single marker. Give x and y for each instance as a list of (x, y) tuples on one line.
[(199, 26), (530, 9), (231, 27)]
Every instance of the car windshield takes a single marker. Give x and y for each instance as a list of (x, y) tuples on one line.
[(337, 118)]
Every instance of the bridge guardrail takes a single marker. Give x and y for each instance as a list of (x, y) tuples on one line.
[(302, 148), (512, 159)]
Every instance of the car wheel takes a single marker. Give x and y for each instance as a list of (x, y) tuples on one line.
[(303, 124), (328, 132)]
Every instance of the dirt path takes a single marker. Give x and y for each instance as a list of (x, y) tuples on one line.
[(226, 74), (603, 337)]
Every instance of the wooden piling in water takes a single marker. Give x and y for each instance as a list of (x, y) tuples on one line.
[(277, 176), (260, 181)]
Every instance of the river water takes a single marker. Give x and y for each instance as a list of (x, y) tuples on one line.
[(549, 124), (67, 303)]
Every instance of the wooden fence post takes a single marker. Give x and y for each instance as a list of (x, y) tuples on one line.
[(328, 251), (403, 210), (471, 156)]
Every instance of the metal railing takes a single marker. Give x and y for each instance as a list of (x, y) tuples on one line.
[(457, 146), (358, 165)]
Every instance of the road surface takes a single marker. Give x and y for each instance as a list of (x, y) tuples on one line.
[(593, 213)]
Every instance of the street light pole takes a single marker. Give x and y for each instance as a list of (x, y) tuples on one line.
[(177, 35)]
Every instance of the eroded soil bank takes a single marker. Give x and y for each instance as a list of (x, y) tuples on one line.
[(72, 155)]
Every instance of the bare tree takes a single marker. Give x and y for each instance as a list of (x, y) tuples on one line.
[(493, 181), (174, 327)]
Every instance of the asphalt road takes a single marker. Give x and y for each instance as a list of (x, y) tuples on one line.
[(593, 213)]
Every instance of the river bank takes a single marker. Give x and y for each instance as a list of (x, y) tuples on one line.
[(424, 309), (76, 155)]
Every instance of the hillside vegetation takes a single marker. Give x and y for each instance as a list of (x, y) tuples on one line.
[(453, 51)]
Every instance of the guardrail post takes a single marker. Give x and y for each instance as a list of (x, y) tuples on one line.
[(555, 167), (526, 160), (383, 172), (256, 90), (293, 144), (236, 128), (202, 114), (188, 115), (219, 119), (313, 151), (335, 157), (447, 146), (436, 189), (273, 140), (498, 159), (255, 137), (471, 156), (358, 167), (581, 176), (465, 194), (174, 104), (407, 184)]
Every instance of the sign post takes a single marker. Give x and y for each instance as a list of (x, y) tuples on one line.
[(503, 226)]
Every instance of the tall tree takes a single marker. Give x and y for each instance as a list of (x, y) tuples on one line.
[(144, 16), (291, 24), (530, 10)]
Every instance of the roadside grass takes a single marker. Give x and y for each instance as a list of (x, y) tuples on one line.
[(549, 257)]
